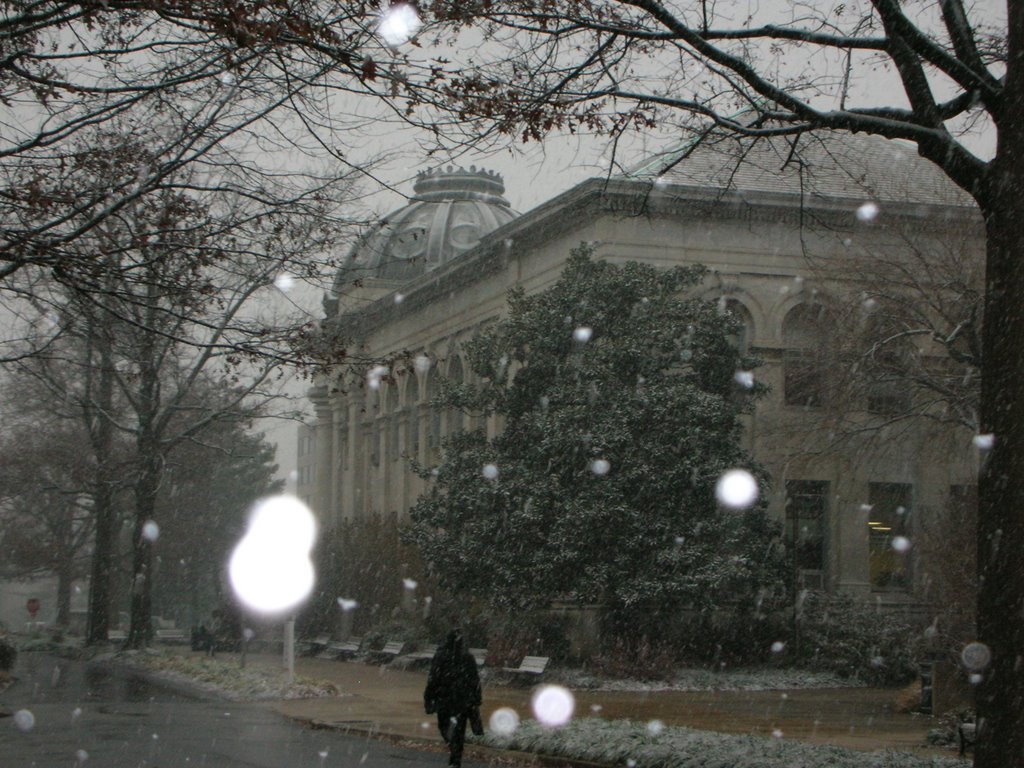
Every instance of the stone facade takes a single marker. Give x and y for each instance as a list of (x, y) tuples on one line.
[(758, 225)]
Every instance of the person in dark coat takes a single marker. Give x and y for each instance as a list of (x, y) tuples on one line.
[(453, 692)]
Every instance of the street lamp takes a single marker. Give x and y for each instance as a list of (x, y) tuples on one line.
[(271, 569)]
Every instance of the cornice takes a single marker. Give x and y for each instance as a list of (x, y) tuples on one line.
[(629, 198)]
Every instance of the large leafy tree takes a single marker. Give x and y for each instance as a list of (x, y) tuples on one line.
[(621, 412)]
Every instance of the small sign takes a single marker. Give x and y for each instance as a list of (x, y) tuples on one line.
[(33, 606)]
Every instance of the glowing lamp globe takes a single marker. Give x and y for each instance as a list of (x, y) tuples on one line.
[(271, 569)]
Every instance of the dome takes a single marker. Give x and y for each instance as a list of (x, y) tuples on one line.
[(450, 211)]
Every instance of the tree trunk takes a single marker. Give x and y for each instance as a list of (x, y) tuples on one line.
[(105, 518), (1001, 484), (64, 579), (1000, 693), (140, 632)]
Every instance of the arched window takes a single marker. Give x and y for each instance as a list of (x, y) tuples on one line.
[(393, 421), (886, 357), (805, 336), (412, 416), (434, 427), (456, 417), (742, 337), (371, 409)]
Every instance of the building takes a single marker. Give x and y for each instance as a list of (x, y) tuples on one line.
[(780, 223)]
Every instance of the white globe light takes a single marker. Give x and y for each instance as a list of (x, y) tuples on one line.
[(976, 656), (271, 570)]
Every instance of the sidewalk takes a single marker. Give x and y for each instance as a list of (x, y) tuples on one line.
[(385, 701)]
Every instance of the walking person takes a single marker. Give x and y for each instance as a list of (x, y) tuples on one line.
[(453, 692)]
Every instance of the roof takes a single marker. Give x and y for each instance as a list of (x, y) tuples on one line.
[(825, 165), (451, 209)]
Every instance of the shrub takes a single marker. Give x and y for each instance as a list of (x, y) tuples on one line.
[(857, 639), (447, 612), (730, 635), (8, 653), (393, 629), (365, 561), (635, 658), (511, 637)]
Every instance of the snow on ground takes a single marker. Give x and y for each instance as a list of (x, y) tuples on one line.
[(621, 742), (225, 678), (711, 680)]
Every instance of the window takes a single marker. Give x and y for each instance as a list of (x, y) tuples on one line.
[(888, 387), (802, 379), (413, 444), (434, 424), (740, 340), (804, 332), (456, 417), (888, 396), (806, 525), (888, 524), (392, 425)]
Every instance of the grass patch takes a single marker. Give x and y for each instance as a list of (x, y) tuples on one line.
[(622, 742), (226, 678)]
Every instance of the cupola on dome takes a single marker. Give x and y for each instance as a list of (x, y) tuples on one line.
[(450, 211)]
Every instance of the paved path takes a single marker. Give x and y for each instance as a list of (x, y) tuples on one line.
[(123, 721), (385, 701), (390, 701)]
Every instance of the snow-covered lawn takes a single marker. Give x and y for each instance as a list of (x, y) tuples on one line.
[(708, 680), (225, 677), (621, 742)]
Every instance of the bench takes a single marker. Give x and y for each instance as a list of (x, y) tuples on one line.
[(424, 654), (530, 665), (312, 646), (117, 635), (171, 635), (338, 649), (391, 649)]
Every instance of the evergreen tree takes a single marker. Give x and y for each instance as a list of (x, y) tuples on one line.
[(621, 411)]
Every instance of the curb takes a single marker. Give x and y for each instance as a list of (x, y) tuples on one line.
[(472, 751)]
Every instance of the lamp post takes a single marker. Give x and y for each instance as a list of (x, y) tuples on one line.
[(271, 569)]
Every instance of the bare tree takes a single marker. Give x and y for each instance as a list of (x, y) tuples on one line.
[(69, 391), (903, 350), (925, 72), (182, 291), (46, 508), (209, 484), (259, 101)]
